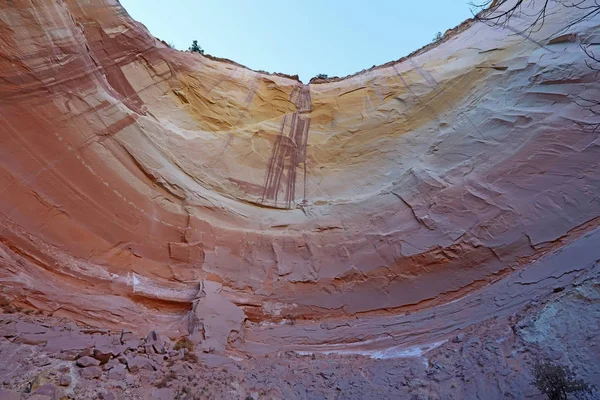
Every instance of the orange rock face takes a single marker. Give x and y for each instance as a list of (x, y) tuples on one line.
[(148, 188)]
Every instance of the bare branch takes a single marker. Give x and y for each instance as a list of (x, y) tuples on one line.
[(592, 8), (593, 61), (499, 12), (491, 13), (592, 106)]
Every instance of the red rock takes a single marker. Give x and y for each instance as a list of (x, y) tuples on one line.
[(102, 356), (213, 318), (89, 352), (23, 327), (65, 380), (87, 361), (46, 390), (9, 395), (8, 329), (109, 344), (117, 373), (33, 339), (127, 336), (156, 342), (64, 368), (134, 364), (466, 220), (91, 372), (163, 394), (113, 362), (107, 396), (187, 252), (133, 344), (130, 380), (69, 341), (130, 172), (68, 355), (145, 380)]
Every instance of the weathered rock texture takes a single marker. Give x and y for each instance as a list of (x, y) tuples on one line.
[(490, 360), (147, 188)]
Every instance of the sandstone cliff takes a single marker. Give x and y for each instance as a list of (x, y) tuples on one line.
[(147, 188)]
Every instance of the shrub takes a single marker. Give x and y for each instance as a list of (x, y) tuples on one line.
[(190, 357), (438, 36), (171, 376), (6, 305), (9, 309), (291, 319), (195, 48), (184, 343), (322, 76), (183, 393), (557, 381)]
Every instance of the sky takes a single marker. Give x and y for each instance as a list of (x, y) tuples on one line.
[(304, 37)]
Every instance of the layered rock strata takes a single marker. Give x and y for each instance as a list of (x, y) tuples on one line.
[(147, 188)]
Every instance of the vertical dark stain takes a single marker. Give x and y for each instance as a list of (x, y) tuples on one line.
[(289, 151)]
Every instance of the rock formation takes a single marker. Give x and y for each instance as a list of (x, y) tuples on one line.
[(143, 188)]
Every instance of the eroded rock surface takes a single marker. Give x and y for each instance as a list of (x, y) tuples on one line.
[(131, 172), (492, 360), (214, 318), (144, 189)]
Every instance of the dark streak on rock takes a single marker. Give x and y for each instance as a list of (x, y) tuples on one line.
[(289, 151)]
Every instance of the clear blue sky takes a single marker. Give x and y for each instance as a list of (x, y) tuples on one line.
[(304, 37)]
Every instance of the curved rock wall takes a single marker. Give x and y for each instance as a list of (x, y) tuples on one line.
[(150, 188)]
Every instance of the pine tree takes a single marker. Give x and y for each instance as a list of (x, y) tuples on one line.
[(195, 48)]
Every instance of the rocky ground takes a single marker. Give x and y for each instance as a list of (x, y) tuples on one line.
[(44, 358)]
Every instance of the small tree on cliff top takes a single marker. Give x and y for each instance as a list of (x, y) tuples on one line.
[(195, 48)]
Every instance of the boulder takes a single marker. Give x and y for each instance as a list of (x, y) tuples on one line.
[(137, 363), (47, 390), (117, 373), (9, 395), (107, 396), (113, 362), (102, 356), (65, 380), (87, 362), (91, 372), (86, 353)]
